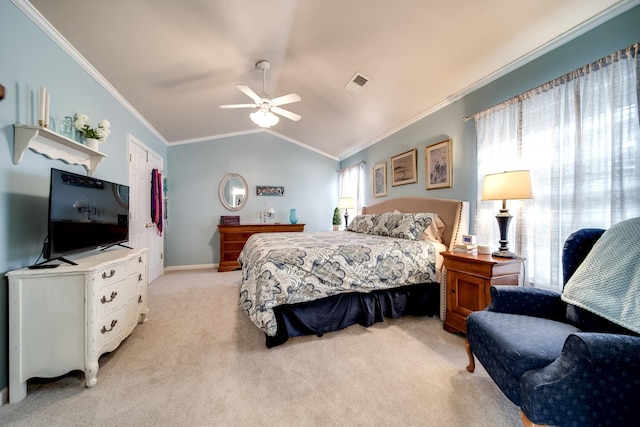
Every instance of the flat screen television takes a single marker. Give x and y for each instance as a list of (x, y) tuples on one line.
[(85, 213)]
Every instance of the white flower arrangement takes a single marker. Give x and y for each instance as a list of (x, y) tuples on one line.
[(81, 122)]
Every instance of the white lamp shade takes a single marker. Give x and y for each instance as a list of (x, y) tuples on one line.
[(507, 186), (346, 203), (264, 118)]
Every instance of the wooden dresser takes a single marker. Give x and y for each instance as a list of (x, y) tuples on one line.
[(234, 236), (469, 278)]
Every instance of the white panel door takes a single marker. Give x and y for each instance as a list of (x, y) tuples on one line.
[(142, 231)]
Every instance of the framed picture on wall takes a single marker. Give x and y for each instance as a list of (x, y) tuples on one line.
[(438, 165), (404, 168), (269, 190), (379, 178)]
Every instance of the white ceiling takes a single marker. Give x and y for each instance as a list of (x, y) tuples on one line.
[(176, 61)]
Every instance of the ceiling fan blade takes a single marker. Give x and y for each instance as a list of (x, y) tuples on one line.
[(238, 106), (286, 99), (288, 114), (249, 92)]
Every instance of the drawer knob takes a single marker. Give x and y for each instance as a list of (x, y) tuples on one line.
[(140, 277), (139, 299), (104, 299), (107, 276), (104, 329), (140, 259)]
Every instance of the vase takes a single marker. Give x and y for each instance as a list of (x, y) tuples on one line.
[(293, 216), (66, 128), (92, 143)]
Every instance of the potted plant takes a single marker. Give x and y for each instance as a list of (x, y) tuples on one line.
[(337, 221), (92, 136)]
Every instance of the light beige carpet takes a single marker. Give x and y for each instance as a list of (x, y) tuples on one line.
[(199, 361)]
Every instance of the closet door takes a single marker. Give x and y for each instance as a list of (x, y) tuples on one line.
[(142, 230)]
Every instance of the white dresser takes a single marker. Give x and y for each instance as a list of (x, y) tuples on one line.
[(62, 319)]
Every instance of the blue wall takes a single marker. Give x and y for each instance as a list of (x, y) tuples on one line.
[(310, 181), (613, 35), (28, 60)]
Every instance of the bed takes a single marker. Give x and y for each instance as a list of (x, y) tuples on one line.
[(386, 265)]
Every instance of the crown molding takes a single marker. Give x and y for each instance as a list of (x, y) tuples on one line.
[(249, 132), (34, 15)]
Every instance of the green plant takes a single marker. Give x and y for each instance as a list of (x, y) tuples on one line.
[(336, 217), (101, 132)]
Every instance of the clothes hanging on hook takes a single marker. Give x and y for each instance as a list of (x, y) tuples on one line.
[(156, 200)]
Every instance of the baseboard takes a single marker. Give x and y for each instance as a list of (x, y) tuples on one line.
[(4, 396), (190, 267)]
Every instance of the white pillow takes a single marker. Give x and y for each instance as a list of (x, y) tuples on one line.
[(434, 231)]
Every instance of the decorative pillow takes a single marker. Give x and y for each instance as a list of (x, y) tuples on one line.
[(433, 230), (400, 225), (362, 224)]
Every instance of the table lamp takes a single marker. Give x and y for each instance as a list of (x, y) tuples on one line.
[(346, 203), (506, 186)]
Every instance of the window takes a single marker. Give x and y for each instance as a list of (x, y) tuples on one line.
[(579, 136), (351, 186)]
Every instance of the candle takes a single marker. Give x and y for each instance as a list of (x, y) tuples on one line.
[(41, 112), (46, 110)]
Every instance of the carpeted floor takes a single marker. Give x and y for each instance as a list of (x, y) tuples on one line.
[(199, 361)]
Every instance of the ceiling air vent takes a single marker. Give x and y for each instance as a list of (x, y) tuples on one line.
[(356, 83)]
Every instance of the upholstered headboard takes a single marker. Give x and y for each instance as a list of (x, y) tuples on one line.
[(454, 213)]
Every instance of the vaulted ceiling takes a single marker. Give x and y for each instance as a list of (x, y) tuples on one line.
[(175, 62)]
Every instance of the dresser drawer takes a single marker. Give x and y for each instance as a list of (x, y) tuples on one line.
[(112, 296), (110, 274), (233, 246), (137, 305), (139, 263), (240, 237), (111, 326)]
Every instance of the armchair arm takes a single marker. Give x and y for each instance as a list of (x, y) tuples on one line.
[(594, 381), (527, 301)]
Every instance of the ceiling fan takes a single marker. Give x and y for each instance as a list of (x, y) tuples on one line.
[(264, 116)]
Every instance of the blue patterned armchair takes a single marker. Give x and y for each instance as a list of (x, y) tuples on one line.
[(562, 365)]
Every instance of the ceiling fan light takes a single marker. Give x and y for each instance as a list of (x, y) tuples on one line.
[(264, 119)]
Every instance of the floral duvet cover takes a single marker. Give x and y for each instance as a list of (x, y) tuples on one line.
[(289, 268)]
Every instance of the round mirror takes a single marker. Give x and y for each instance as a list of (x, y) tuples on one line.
[(233, 192)]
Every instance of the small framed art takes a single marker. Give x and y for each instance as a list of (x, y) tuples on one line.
[(269, 190), (379, 178), (404, 168), (438, 165)]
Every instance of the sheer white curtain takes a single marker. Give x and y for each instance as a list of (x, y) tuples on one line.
[(351, 186), (579, 135)]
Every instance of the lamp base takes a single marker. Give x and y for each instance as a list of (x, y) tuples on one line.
[(504, 218), (504, 254)]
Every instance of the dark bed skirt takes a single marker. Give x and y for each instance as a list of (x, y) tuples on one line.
[(339, 311)]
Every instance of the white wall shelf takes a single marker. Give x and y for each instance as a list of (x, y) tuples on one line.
[(54, 146)]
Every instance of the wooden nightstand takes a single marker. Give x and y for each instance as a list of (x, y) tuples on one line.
[(469, 278)]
